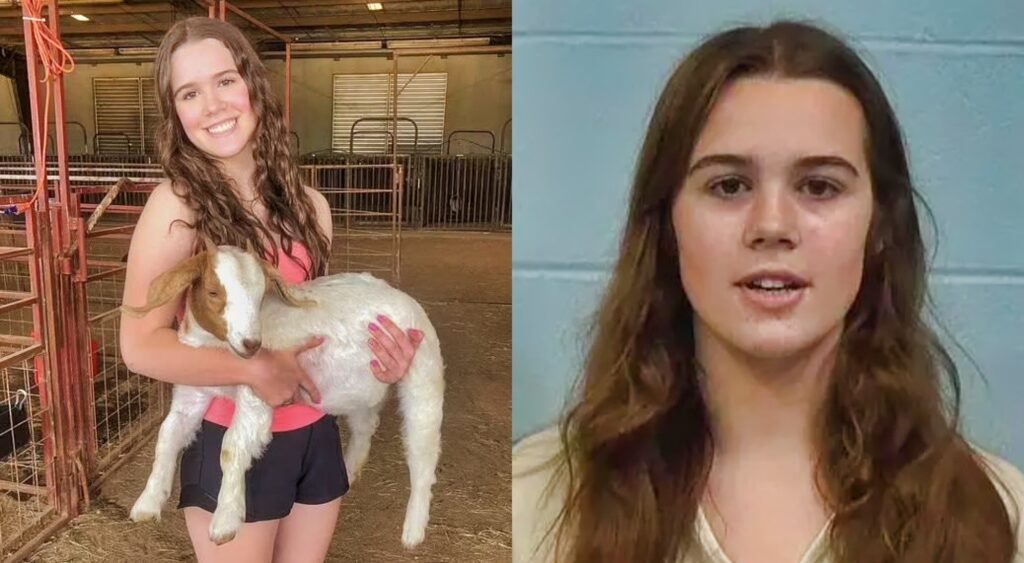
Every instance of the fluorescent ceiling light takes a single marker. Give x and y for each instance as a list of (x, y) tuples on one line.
[(374, 6), (338, 46), (137, 51), (428, 43), (80, 17)]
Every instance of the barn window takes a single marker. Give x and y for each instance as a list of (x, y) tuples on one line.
[(357, 96), (126, 116)]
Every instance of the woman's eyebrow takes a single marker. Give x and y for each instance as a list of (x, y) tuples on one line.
[(826, 160), (723, 159), (215, 76)]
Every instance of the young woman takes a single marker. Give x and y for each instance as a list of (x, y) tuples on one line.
[(761, 386), (232, 179)]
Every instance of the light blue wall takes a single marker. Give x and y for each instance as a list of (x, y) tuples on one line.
[(586, 77)]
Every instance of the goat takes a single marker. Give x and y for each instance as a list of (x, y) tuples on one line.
[(239, 301)]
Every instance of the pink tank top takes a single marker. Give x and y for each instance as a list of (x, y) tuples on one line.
[(287, 417)]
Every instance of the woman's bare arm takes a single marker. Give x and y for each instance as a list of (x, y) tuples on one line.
[(149, 345)]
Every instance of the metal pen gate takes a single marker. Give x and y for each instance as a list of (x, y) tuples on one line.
[(365, 201), (449, 192), (69, 428)]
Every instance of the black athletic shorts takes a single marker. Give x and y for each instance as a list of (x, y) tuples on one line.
[(304, 465)]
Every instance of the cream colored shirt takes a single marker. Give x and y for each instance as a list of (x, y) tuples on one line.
[(533, 511)]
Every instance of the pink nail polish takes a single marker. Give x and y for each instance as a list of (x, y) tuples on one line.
[(381, 318), (375, 364), (374, 327)]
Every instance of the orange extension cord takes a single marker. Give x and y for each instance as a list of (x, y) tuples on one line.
[(56, 61)]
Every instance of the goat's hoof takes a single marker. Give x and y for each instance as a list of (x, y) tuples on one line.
[(222, 539), (145, 509), (223, 527), (411, 538)]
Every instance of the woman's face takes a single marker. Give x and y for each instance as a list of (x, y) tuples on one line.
[(773, 215), (211, 99)]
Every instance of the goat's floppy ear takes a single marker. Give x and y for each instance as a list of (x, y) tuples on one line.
[(169, 284), (276, 283)]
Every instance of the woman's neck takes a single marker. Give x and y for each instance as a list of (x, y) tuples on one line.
[(764, 409)]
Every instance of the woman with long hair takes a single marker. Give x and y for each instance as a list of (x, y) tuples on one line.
[(761, 384), (232, 179)]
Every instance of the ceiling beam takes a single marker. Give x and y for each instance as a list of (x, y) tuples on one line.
[(379, 19)]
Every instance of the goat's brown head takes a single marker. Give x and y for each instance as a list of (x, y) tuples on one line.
[(227, 285)]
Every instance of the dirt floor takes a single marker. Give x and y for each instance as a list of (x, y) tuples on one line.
[(464, 282)]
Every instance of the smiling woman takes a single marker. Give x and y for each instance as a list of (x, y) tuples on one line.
[(233, 180), (761, 384), (214, 109)]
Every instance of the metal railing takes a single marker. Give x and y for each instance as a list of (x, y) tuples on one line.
[(439, 191), (453, 192), (366, 212), (29, 462)]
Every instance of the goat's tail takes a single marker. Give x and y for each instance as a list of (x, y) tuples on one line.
[(421, 396)]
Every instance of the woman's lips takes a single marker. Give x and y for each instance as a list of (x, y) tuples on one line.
[(772, 299)]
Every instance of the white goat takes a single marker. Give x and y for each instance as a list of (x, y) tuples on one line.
[(231, 305)]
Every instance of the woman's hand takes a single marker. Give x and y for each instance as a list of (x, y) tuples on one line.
[(394, 349), (276, 376)]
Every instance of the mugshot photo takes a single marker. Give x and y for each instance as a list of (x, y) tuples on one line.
[(767, 281)]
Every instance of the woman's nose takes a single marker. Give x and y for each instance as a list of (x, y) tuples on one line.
[(772, 221), (212, 103)]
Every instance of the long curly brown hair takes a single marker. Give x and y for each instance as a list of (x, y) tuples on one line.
[(902, 483), (203, 184)]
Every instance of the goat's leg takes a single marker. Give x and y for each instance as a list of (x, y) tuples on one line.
[(362, 424), (179, 428), (421, 404), (244, 441)]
